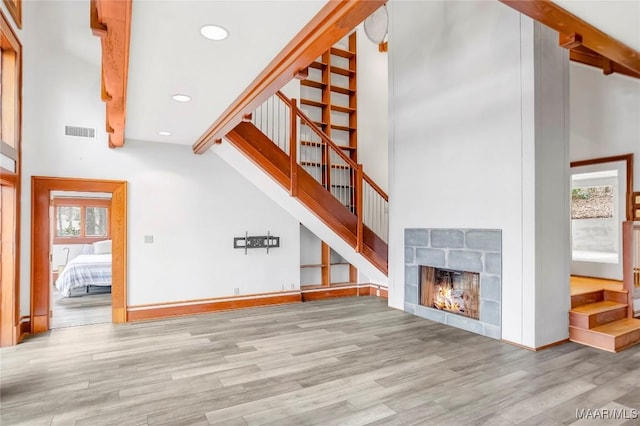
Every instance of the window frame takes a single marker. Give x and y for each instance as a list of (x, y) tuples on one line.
[(83, 203)]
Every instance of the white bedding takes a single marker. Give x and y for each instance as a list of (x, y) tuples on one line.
[(83, 271)]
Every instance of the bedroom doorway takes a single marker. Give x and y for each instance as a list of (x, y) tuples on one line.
[(80, 247), (43, 189)]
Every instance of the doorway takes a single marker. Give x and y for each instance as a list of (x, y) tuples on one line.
[(42, 189), (80, 258), (600, 202)]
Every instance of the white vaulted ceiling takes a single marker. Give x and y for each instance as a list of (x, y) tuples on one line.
[(168, 56)]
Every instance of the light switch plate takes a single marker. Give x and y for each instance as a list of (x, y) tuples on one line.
[(148, 239)]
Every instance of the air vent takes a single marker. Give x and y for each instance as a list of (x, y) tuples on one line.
[(81, 132)]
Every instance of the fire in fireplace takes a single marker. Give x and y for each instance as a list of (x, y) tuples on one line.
[(457, 292)]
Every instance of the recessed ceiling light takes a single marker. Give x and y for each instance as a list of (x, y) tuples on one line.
[(181, 98), (214, 32), (164, 133)]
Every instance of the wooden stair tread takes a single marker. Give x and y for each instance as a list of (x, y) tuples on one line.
[(597, 307), (618, 328)]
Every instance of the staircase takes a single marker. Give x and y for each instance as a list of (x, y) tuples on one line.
[(600, 318), (315, 172)]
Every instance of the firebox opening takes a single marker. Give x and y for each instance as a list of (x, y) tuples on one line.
[(453, 291)]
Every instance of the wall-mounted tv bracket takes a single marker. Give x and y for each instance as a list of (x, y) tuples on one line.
[(263, 241)]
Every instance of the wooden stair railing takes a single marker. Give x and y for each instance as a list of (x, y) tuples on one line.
[(303, 159), (631, 262), (335, 170)]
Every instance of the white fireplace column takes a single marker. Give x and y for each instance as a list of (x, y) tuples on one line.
[(478, 113)]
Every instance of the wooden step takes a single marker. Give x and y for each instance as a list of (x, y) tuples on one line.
[(619, 296), (596, 314), (613, 337), (586, 298)]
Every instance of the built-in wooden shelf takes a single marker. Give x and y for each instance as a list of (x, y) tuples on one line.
[(314, 84), (342, 71), (343, 128), (342, 90), (336, 76), (319, 265), (342, 53), (341, 108), (312, 103)]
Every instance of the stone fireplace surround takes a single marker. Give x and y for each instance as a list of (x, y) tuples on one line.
[(472, 250)]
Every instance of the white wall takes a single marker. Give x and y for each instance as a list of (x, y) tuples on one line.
[(463, 144), (605, 115), (373, 114), (192, 205)]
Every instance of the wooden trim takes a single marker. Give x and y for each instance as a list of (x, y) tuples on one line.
[(293, 148), (25, 327), (15, 10), (332, 23), (11, 105), (342, 290), (163, 310), (553, 16), (375, 187), (41, 188), (627, 264), (359, 213), (8, 178), (111, 22), (333, 292), (587, 56), (539, 348), (325, 260), (379, 291), (629, 172), (83, 203)]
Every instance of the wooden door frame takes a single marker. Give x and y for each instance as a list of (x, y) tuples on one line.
[(41, 188), (628, 159)]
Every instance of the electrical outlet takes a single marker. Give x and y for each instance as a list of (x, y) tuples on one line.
[(236, 291), (148, 239)]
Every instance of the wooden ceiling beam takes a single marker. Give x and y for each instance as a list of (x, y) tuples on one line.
[(335, 20), (553, 16), (586, 56), (110, 20)]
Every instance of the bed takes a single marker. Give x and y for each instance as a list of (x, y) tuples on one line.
[(83, 271)]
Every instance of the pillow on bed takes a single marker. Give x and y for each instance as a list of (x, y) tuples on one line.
[(87, 249), (102, 247)]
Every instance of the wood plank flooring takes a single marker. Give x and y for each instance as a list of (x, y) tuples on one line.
[(81, 308), (350, 361), (586, 284)]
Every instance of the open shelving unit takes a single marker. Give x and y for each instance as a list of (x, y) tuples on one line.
[(328, 97)]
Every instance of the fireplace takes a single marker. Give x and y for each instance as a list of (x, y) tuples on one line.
[(453, 291), (454, 276)]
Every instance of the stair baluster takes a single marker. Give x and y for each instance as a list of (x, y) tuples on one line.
[(280, 119)]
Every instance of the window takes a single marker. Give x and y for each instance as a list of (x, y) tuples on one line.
[(594, 217), (81, 220)]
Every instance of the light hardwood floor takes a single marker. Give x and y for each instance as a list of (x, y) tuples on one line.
[(351, 361), (81, 308)]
